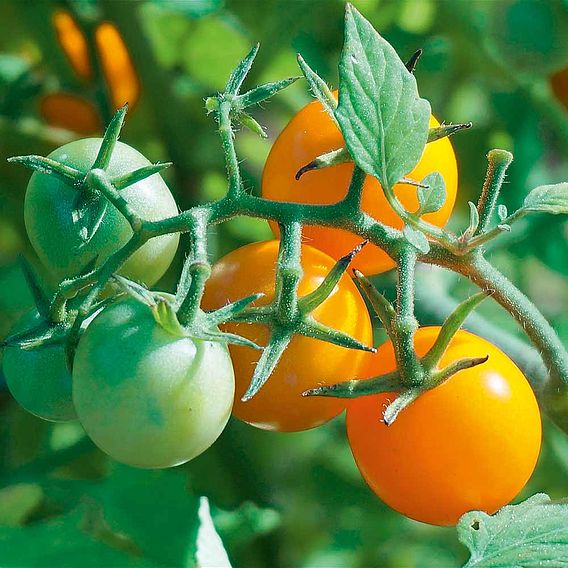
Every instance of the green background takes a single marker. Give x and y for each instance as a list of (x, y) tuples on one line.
[(299, 498)]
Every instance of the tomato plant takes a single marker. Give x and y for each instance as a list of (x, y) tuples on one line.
[(145, 396), (50, 213), (39, 379), (468, 444), (311, 133), (306, 362)]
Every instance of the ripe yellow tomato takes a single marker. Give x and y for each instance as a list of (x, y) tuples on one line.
[(73, 42), (471, 443), (310, 133), (307, 362)]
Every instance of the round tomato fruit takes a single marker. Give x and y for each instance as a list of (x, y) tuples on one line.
[(307, 362), (38, 378), (312, 132), (146, 397), (49, 216), (470, 443)]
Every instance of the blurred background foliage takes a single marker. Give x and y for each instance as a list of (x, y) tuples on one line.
[(277, 499)]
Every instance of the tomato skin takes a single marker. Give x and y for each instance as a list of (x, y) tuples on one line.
[(559, 85), (307, 362), (38, 378), (48, 210), (310, 133), (471, 443), (146, 397)]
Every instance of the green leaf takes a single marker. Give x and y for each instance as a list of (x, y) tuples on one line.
[(417, 239), (383, 119), (263, 92), (502, 212), (432, 198), (473, 221), (210, 550), (532, 533), (191, 9), (548, 199)]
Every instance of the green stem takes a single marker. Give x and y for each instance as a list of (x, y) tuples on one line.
[(405, 323), (227, 140), (498, 162), (485, 237), (288, 271)]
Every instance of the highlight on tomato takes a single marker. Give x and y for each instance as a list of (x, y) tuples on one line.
[(312, 132), (307, 362), (470, 443)]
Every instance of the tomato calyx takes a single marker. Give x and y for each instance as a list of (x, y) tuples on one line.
[(410, 382)]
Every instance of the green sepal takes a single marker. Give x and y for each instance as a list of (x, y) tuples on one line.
[(319, 88), (136, 291), (355, 388), (120, 182), (249, 122), (271, 354), (224, 337), (88, 213), (450, 327), (316, 330), (165, 315), (263, 92), (412, 62), (239, 74), (110, 139), (67, 174), (230, 311), (402, 401), (383, 308), (445, 130), (44, 334), (333, 158), (41, 300), (311, 301)]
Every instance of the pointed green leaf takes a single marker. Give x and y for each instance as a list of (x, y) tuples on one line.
[(267, 362), (319, 88), (88, 214), (47, 166), (333, 158), (532, 533), (120, 182), (110, 139), (224, 337), (548, 199), (239, 74), (412, 62), (263, 92), (417, 239), (135, 290), (432, 197), (40, 299), (382, 118), (384, 309), (229, 311), (473, 221), (317, 330), (445, 130)]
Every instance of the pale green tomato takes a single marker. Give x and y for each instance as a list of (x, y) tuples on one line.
[(48, 214), (38, 378), (146, 397)]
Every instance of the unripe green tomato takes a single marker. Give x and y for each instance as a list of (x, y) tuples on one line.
[(38, 378), (48, 215), (146, 397)]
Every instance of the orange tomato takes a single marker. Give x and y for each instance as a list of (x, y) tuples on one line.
[(65, 110), (307, 362), (73, 42), (469, 444), (310, 133), (117, 66), (559, 84)]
